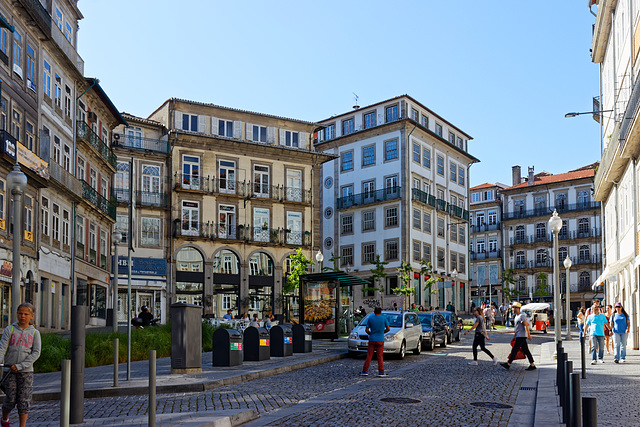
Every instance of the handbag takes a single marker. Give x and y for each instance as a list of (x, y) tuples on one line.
[(520, 354)]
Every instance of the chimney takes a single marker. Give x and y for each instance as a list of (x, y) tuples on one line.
[(515, 175), (530, 176)]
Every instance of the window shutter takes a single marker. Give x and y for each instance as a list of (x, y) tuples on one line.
[(237, 129), (177, 124), (202, 124), (249, 135), (303, 140), (214, 126), (282, 140), (401, 113), (271, 135)]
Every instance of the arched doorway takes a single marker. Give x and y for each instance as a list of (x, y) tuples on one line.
[(261, 282), (226, 283), (189, 276)]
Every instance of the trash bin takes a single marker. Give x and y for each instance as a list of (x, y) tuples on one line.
[(301, 339), (256, 344), (186, 338), (227, 347), (281, 341)]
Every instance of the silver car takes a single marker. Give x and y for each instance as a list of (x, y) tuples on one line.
[(405, 333)]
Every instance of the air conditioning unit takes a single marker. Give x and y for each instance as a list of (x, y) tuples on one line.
[(92, 116)]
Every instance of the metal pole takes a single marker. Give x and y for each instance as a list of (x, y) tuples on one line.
[(562, 357), (583, 358), (116, 359), (152, 388), (77, 363), (114, 289), (557, 324), (566, 397), (589, 412), (559, 352), (575, 419), (568, 294), (17, 239), (65, 384)]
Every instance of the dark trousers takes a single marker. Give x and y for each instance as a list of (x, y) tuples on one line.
[(521, 343), (478, 341), (378, 348)]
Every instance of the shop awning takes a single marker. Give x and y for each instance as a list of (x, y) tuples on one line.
[(612, 269), (340, 276)]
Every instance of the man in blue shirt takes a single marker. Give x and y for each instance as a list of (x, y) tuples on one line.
[(376, 326), (228, 316), (595, 324)]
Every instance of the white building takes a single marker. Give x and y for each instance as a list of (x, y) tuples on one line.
[(399, 189)]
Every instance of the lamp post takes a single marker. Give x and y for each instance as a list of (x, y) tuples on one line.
[(555, 225), (16, 183), (319, 259), (567, 266), (454, 274), (116, 238)]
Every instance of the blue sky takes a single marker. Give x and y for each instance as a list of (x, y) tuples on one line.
[(504, 71)]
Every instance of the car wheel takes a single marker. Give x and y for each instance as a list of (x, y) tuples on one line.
[(431, 344), (403, 348), (444, 342), (416, 351), (458, 336), (449, 338)]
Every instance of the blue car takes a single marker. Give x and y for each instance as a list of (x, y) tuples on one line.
[(434, 329)]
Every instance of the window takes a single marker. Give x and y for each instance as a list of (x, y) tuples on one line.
[(16, 125), (369, 155), (519, 235), (368, 253), (584, 254), (122, 226), (425, 121), (460, 175), (583, 227), (368, 188), (453, 176), (346, 256), (452, 138), (440, 256), (426, 222), (65, 227), (31, 68), (426, 252), (391, 113), (475, 197), (346, 161), (416, 183), (440, 227), (492, 217), (441, 194), (81, 170), (17, 53), (59, 19), (417, 249), (68, 33), (392, 283), (368, 220), (583, 198), (439, 129), (426, 187), (44, 213), (92, 237), (454, 261), (541, 257), (562, 253), (520, 259), (453, 233), (225, 128), (261, 177), (414, 114), (55, 223), (462, 261), (57, 91), (561, 201), (426, 157), (150, 183), (391, 150), (4, 36), (460, 144), (226, 176), (67, 104), (190, 122), (347, 126), (347, 190), (150, 231), (584, 282), (93, 178), (29, 135), (346, 224), (391, 250), (330, 131), (259, 133), (416, 152), (391, 217), (28, 217), (440, 165), (391, 184), (104, 188), (66, 158), (291, 139), (417, 217), (541, 232), (461, 235), (493, 244), (370, 120), (480, 247)]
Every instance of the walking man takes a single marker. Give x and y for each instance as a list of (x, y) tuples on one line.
[(521, 333), (377, 325), (478, 339), (595, 324)]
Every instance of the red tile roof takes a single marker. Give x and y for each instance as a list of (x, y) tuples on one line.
[(546, 178)]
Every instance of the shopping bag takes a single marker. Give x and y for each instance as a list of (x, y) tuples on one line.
[(520, 354)]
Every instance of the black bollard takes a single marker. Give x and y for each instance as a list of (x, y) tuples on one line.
[(583, 358), (78, 314), (576, 404), (589, 412), (562, 357), (566, 409), (559, 365)]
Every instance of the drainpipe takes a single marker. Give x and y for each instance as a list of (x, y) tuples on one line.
[(634, 215)]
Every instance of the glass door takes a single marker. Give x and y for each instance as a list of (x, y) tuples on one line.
[(261, 180), (261, 225), (191, 172), (294, 228), (227, 176), (151, 185), (227, 223), (190, 216), (294, 185)]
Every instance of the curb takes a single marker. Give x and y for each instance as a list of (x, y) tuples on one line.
[(191, 388)]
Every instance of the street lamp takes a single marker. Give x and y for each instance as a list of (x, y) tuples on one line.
[(16, 183), (569, 115), (567, 266), (454, 274), (116, 238), (555, 225), (319, 259)]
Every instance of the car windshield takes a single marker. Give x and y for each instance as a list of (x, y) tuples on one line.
[(425, 319), (395, 320)]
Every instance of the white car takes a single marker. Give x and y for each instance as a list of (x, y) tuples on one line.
[(405, 333)]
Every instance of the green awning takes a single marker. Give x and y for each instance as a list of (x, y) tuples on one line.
[(340, 276), (5, 24)]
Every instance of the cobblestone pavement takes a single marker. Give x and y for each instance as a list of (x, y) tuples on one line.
[(334, 394)]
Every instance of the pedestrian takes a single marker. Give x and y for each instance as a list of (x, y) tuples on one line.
[(581, 318), (478, 338), (520, 334), (594, 303), (228, 316), (395, 306), (607, 329), (421, 308), (376, 326), (450, 307), (413, 307), (620, 324), (488, 315), (595, 325), (19, 349)]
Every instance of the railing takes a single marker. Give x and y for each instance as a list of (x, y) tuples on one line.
[(587, 259), (479, 256), (146, 198), (103, 262), (594, 232), (367, 198), (423, 197), (98, 201), (121, 195), (576, 207), (211, 230), (548, 237), (87, 134), (80, 250), (441, 205), (92, 256), (64, 178), (294, 194), (141, 143), (484, 227), (193, 182), (532, 264)]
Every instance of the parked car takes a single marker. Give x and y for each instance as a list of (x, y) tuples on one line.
[(434, 329), (405, 333), (454, 326)]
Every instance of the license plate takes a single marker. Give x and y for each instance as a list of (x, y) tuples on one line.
[(364, 343)]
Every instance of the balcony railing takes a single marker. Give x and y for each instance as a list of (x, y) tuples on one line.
[(479, 256), (475, 228), (546, 212), (368, 198), (423, 197), (92, 256), (145, 198), (548, 237), (586, 259), (64, 178), (440, 204), (193, 182), (548, 262), (96, 199), (121, 195), (87, 134), (211, 230), (140, 143)]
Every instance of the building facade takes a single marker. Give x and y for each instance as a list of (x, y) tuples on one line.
[(485, 243), (398, 190), (528, 244)]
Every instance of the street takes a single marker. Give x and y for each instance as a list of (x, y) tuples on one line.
[(443, 390)]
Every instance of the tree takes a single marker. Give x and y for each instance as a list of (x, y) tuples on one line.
[(508, 280), (427, 269), (334, 259), (377, 274), (406, 273), (299, 266), (542, 290)]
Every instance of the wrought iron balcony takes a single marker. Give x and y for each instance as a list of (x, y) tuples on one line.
[(546, 211), (481, 228), (368, 198), (85, 133), (145, 198), (211, 230), (96, 199), (479, 256), (424, 197), (193, 182), (140, 143)]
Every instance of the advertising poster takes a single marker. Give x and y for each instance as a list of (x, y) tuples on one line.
[(320, 307)]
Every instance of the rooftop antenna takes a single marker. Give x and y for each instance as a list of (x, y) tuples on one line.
[(355, 97)]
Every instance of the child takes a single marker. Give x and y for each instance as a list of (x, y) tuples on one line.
[(19, 348)]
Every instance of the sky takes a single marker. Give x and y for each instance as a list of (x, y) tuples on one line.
[(503, 71)]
